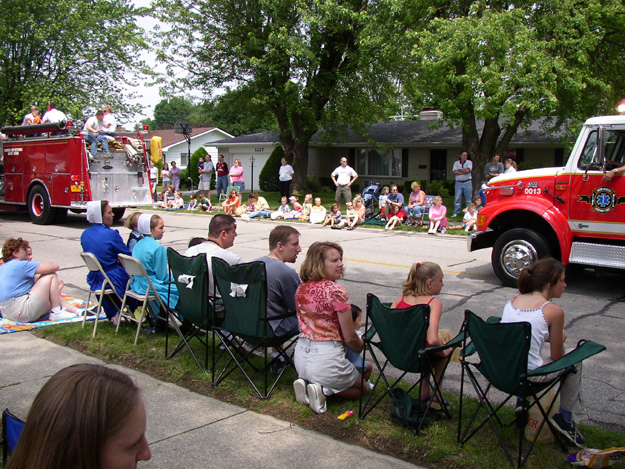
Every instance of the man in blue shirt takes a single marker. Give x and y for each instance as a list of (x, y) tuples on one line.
[(394, 198)]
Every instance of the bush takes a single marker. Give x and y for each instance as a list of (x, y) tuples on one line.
[(438, 188), (408, 183), (268, 178), (314, 185), (192, 171), (326, 183)]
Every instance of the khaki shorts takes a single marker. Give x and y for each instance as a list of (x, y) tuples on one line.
[(204, 186), (325, 363), (25, 308)]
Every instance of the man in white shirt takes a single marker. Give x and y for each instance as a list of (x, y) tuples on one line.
[(154, 179), (54, 116), (92, 134), (222, 230), (464, 186), (205, 177), (109, 124), (343, 178)]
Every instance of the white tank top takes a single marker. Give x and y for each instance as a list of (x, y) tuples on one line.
[(540, 329)]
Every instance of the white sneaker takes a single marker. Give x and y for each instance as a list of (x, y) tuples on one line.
[(299, 386), (245, 217), (62, 314), (257, 352), (316, 399)]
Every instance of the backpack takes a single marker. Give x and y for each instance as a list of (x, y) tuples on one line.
[(406, 411)]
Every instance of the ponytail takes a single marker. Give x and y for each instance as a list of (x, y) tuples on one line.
[(540, 274)]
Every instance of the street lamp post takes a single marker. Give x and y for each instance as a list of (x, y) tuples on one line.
[(252, 159)]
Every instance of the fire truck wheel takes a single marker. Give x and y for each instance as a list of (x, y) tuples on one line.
[(39, 209), (118, 213), (515, 250)]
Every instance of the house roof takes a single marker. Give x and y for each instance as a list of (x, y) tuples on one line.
[(170, 137), (417, 132)]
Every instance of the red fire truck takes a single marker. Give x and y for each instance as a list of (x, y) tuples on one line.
[(45, 169), (571, 213)]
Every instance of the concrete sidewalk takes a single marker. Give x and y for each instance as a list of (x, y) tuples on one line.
[(185, 429)]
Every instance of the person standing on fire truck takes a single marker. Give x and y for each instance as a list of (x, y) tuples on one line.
[(93, 135)]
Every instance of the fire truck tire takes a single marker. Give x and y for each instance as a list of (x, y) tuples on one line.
[(514, 250), (118, 213), (39, 208)]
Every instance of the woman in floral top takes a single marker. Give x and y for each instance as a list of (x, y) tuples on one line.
[(325, 324)]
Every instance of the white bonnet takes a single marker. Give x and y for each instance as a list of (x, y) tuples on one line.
[(94, 211)]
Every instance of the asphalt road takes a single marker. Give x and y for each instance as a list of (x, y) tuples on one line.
[(377, 262)]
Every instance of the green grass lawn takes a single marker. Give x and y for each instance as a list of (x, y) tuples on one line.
[(435, 447)]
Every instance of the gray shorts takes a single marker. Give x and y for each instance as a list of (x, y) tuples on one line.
[(25, 308), (204, 186), (325, 363)]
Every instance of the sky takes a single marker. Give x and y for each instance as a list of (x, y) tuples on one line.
[(149, 96)]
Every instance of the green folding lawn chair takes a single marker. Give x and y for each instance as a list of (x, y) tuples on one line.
[(401, 337), (501, 355), (243, 290), (193, 316)]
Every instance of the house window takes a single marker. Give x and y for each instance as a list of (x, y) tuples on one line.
[(377, 162), (184, 159)]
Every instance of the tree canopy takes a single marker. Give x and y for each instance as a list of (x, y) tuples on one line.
[(80, 54), (509, 65), (312, 63)]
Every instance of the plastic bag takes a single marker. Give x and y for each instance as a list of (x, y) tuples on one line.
[(535, 418), (598, 458)]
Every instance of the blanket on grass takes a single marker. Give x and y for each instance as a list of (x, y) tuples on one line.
[(7, 326)]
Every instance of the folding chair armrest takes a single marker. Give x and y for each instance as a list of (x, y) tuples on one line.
[(585, 349), (453, 343), (370, 334)]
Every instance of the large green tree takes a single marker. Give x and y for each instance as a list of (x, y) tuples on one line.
[(508, 64), (80, 54), (168, 111), (312, 63)]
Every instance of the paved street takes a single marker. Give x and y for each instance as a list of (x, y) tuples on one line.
[(378, 262)]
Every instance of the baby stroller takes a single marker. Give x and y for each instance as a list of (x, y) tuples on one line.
[(371, 195)]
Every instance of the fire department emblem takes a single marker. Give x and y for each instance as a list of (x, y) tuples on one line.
[(602, 199)]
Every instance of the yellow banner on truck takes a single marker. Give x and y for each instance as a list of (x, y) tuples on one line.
[(156, 149)]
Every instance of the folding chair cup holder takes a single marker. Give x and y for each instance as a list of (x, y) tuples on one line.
[(400, 335), (245, 327), (498, 352)]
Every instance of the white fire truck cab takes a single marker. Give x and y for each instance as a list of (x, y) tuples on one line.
[(571, 213), (45, 169)]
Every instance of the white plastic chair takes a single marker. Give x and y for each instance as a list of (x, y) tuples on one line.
[(107, 288), (134, 267)]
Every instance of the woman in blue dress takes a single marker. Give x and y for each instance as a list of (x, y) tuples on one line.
[(105, 244), (153, 256)]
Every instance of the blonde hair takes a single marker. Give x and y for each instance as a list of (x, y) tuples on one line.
[(417, 282), (437, 198), (131, 221), (414, 185), (312, 268), (308, 198)]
